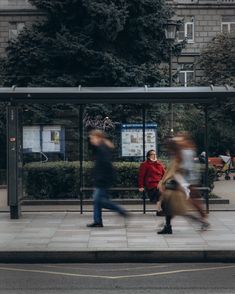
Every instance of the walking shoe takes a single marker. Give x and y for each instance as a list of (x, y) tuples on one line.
[(205, 226), (160, 213), (95, 225), (165, 230)]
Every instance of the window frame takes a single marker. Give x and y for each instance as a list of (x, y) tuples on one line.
[(14, 32), (186, 24), (228, 23), (185, 72)]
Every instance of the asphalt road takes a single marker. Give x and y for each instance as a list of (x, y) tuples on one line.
[(117, 278)]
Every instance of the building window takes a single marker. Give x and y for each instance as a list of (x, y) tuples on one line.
[(186, 77), (14, 29), (228, 24), (228, 27), (186, 31)]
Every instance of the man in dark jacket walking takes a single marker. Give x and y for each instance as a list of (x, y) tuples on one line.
[(103, 177)]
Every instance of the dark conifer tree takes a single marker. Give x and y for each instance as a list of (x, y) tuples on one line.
[(92, 43)]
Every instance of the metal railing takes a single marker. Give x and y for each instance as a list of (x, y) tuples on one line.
[(203, 191)]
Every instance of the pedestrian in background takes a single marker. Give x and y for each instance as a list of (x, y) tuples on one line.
[(103, 174), (150, 174)]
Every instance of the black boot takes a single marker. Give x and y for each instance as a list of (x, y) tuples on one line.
[(95, 225), (166, 230)]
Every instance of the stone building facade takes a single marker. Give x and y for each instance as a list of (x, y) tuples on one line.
[(203, 20), (14, 15)]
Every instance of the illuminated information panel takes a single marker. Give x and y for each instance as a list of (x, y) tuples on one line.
[(132, 139)]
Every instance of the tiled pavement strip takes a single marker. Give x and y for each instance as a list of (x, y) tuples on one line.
[(67, 231), (51, 234)]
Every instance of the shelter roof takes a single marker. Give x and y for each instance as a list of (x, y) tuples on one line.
[(86, 95)]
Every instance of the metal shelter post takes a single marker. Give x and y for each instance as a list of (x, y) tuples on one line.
[(13, 161), (81, 110), (143, 129), (207, 164), (170, 85)]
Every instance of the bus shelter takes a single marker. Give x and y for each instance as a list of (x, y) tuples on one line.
[(16, 97)]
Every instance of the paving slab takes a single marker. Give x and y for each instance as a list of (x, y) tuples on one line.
[(64, 237), (225, 189)]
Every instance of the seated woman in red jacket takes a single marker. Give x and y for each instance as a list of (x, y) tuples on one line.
[(150, 174)]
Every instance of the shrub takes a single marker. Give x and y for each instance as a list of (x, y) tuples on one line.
[(51, 180), (211, 176), (60, 180)]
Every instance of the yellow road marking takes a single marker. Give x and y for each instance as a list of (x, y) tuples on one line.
[(118, 277), (52, 273), (174, 272), (109, 270), (74, 230)]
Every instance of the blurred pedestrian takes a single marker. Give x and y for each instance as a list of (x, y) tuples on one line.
[(103, 174), (150, 174), (191, 175), (173, 194), (178, 185)]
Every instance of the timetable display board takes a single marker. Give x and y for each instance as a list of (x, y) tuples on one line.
[(48, 139), (31, 139), (51, 139), (132, 139)]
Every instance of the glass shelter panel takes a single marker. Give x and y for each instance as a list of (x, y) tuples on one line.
[(158, 115), (51, 152), (58, 157), (122, 125)]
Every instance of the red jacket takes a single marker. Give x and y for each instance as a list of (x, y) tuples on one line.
[(150, 174)]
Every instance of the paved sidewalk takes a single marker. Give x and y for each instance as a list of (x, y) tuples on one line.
[(63, 236), (225, 189)]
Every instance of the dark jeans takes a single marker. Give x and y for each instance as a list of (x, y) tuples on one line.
[(101, 200), (154, 195), (168, 217)]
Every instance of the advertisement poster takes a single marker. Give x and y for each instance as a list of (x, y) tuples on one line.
[(51, 139), (31, 139), (132, 139)]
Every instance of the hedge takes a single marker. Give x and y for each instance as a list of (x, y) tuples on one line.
[(60, 180)]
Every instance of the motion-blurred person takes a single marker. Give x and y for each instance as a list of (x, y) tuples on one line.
[(173, 195), (178, 185), (150, 173), (103, 177), (191, 174)]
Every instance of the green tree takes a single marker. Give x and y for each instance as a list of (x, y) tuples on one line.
[(89, 43), (218, 64), (92, 43), (218, 61)]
